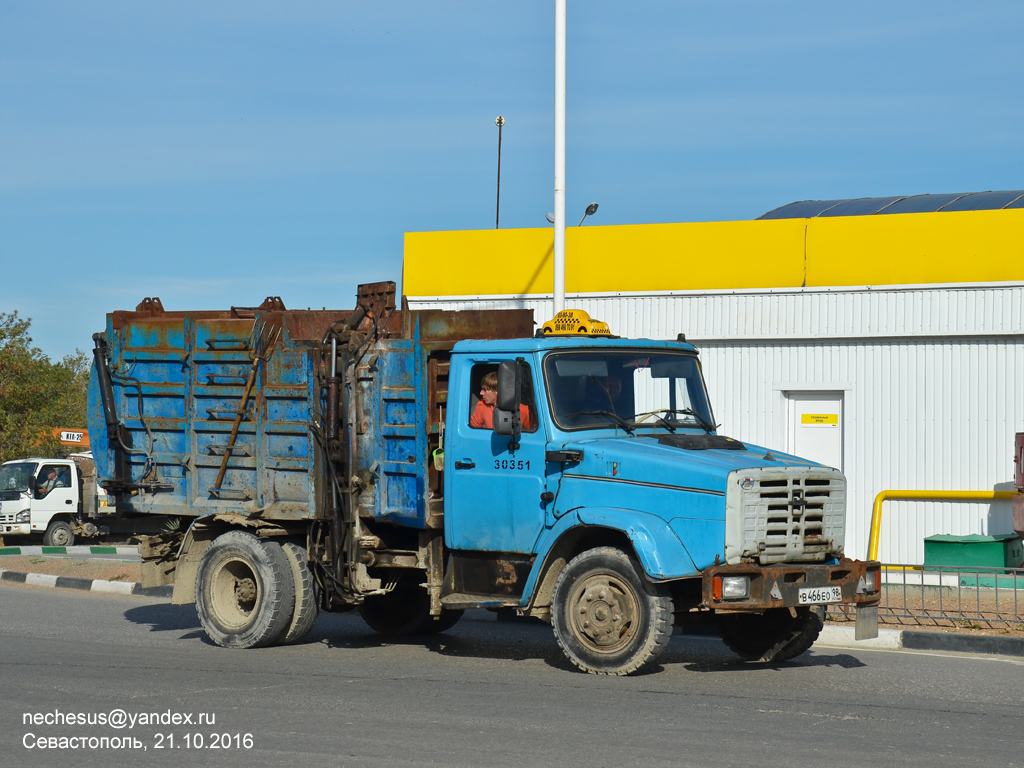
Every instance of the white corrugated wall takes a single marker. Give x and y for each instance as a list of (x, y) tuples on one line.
[(932, 378)]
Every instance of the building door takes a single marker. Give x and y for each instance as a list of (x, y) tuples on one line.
[(816, 426)]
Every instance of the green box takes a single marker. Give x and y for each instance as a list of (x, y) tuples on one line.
[(974, 551)]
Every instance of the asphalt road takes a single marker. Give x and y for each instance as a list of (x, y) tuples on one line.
[(485, 693)]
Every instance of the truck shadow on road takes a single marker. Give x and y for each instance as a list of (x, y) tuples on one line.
[(486, 639), (164, 617), (526, 640), (731, 663), (483, 637)]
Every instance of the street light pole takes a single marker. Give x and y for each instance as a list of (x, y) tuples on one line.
[(498, 121), (591, 210), (559, 255)]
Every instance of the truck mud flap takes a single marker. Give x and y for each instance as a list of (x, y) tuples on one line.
[(159, 555), (866, 627)]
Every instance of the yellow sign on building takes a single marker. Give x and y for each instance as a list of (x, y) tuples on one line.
[(829, 419)]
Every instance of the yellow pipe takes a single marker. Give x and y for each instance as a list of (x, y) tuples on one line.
[(876, 515)]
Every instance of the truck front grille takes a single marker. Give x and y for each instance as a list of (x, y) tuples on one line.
[(785, 515)]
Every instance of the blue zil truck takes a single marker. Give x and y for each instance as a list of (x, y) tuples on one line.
[(415, 464)]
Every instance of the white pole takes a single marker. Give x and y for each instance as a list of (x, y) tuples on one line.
[(559, 293)]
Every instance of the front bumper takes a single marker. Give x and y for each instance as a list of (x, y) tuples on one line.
[(15, 529), (778, 586)]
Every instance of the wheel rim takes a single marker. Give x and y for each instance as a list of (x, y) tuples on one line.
[(235, 594), (604, 612), (60, 536)]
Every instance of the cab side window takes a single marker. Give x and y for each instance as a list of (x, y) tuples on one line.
[(484, 395), (51, 476)]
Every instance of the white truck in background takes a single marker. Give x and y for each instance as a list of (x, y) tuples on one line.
[(59, 509)]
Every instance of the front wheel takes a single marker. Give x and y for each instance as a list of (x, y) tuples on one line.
[(606, 618), (58, 534), (775, 635), (245, 596)]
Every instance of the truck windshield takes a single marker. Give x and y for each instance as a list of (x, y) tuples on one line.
[(631, 390), (16, 477)]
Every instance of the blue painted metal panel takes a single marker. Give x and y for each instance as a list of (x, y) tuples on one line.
[(495, 505), (661, 554), (191, 370), (704, 538), (659, 549), (399, 434)]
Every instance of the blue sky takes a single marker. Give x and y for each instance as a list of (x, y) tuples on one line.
[(213, 153)]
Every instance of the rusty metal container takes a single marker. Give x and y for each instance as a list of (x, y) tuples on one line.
[(178, 381), (206, 412)]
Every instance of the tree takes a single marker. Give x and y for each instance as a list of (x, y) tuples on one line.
[(36, 395)]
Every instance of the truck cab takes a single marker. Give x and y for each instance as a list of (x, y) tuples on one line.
[(41, 496), (604, 463)]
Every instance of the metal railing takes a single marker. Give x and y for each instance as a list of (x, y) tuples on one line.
[(942, 595), (874, 535)]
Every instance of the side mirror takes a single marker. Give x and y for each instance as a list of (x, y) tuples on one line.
[(507, 419), (504, 422), (510, 385)]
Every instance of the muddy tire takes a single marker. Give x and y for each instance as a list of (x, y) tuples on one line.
[(606, 617), (245, 596), (405, 610), (58, 534), (772, 636), (306, 609)]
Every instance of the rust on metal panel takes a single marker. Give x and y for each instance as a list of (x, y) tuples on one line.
[(270, 304), (150, 305), (122, 317), (778, 586), (379, 298), (309, 324), (442, 325)]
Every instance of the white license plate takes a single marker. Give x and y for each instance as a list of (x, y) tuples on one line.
[(820, 595)]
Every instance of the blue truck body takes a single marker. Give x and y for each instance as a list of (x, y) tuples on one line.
[(352, 437)]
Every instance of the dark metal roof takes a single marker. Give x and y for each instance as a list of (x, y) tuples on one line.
[(869, 206)]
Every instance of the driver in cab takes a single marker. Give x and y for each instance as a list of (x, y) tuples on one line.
[(483, 413), (51, 482)]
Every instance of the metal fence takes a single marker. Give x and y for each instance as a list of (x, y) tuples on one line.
[(949, 596)]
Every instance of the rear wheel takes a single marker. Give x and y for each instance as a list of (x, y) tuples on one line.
[(775, 635), (607, 619), (245, 596), (405, 610), (306, 610), (58, 534)]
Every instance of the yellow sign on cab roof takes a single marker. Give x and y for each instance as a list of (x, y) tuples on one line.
[(570, 322)]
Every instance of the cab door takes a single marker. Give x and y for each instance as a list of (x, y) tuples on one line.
[(492, 493), (59, 500)]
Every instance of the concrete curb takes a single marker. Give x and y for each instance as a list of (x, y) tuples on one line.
[(87, 585), (842, 637), (941, 641), (892, 639), (99, 550)]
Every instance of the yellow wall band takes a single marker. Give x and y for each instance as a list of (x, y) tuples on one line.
[(896, 249)]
